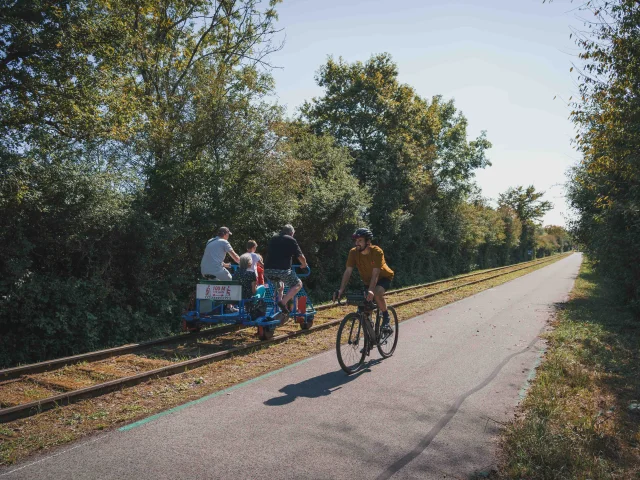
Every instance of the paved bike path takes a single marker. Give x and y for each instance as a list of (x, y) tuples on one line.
[(433, 410)]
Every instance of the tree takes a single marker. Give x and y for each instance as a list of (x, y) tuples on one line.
[(513, 233), (58, 69), (404, 147), (604, 189), (530, 209), (329, 201), (562, 237), (124, 125)]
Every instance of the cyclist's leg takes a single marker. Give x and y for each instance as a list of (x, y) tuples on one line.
[(280, 289), (275, 279), (294, 284), (378, 295), (293, 290), (222, 273), (284, 278), (381, 287)]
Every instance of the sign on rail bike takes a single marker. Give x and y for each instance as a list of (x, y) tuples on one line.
[(219, 292)]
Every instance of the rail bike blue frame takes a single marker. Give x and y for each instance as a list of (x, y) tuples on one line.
[(195, 318)]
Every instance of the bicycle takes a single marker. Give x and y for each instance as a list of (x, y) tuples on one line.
[(357, 334)]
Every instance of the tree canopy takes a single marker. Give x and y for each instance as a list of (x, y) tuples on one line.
[(406, 149)]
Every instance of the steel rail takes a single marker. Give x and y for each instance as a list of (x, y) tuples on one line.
[(49, 365), (470, 274), (38, 406), (16, 372), (451, 279)]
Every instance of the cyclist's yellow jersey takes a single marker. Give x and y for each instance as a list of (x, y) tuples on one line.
[(366, 263)]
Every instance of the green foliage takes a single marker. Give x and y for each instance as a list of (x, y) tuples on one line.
[(604, 188), (553, 239), (129, 132), (489, 233), (404, 147), (526, 203), (411, 155), (61, 71), (60, 227), (330, 202), (528, 207)]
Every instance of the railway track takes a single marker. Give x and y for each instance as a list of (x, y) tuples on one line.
[(30, 389)]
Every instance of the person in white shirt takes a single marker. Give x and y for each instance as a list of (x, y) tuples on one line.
[(255, 257), (213, 261)]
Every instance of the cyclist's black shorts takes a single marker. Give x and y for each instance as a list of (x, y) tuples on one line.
[(382, 282)]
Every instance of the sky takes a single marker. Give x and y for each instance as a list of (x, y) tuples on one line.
[(502, 61)]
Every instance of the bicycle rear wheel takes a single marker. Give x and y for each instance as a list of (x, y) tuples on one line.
[(387, 340), (351, 344)]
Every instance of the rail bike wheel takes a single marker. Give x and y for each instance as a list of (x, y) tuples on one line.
[(191, 327), (351, 343), (306, 325), (264, 333), (387, 341)]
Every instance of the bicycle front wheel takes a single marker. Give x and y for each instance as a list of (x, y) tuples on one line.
[(387, 340), (351, 343)]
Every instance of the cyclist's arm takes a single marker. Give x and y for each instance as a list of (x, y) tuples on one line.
[(303, 261), (345, 279), (375, 273), (234, 256)]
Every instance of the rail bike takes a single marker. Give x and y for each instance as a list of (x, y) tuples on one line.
[(261, 310)]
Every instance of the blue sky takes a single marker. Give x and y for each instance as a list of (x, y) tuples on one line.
[(503, 62)]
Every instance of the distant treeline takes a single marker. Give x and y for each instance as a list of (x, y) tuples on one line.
[(130, 132), (604, 188)]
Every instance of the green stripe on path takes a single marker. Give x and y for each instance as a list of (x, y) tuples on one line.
[(205, 398)]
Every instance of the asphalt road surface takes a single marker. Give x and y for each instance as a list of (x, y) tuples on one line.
[(433, 410)]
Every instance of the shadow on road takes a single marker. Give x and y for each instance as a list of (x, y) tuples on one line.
[(319, 386)]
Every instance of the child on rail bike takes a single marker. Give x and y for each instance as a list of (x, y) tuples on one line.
[(258, 263), (374, 272)]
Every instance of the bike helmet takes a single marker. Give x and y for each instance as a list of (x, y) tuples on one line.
[(362, 232)]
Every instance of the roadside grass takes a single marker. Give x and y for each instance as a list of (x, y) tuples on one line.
[(22, 438), (580, 418)]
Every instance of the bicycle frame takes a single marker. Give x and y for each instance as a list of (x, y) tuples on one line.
[(365, 312)]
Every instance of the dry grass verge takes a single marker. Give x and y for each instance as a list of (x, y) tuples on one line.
[(24, 437), (581, 417)]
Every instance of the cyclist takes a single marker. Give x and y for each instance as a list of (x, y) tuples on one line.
[(212, 264), (374, 272), (277, 268)]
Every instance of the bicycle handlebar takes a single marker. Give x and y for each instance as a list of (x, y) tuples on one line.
[(299, 274), (368, 303)]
